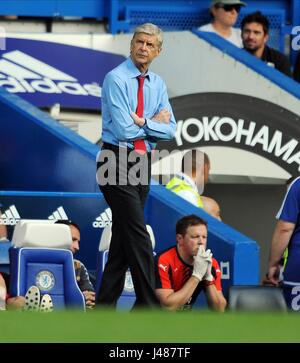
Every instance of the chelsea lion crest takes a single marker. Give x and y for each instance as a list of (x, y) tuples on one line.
[(45, 280), (128, 286)]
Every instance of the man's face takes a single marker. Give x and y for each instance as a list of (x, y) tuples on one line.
[(201, 176), (75, 239), (195, 237), (199, 179), (144, 48), (254, 37), (226, 18), (206, 172)]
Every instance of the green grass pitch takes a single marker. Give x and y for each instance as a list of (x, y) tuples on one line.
[(100, 326)]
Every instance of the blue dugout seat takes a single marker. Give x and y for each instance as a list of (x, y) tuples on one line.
[(256, 298), (40, 255), (127, 298), (4, 255)]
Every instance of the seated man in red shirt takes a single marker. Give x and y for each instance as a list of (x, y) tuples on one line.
[(184, 270)]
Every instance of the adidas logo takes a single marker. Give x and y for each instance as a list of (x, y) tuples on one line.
[(59, 214), (21, 73), (104, 219), (10, 217)]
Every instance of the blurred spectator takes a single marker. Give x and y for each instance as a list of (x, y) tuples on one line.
[(225, 14), (185, 270), (255, 34), (189, 183), (82, 276), (287, 234), (296, 73)]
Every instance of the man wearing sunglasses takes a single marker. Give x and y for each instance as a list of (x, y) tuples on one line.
[(225, 14)]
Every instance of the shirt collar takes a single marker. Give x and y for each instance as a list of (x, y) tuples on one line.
[(187, 179), (133, 71), (181, 259)]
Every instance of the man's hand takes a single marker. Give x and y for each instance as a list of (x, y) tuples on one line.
[(267, 282), (140, 121), (208, 275), (15, 303), (273, 275), (89, 298), (162, 116), (200, 264)]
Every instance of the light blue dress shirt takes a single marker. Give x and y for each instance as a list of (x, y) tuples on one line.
[(119, 99)]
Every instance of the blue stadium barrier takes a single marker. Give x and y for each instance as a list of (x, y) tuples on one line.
[(125, 15), (58, 167), (55, 8), (25, 129), (283, 16), (233, 250), (51, 270), (237, 254), (248, 60), (175, 16), (4, 255)]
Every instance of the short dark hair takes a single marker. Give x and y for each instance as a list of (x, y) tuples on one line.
[(290, 180), (67, 222), (192, 158), (256, 17), (184, 223)]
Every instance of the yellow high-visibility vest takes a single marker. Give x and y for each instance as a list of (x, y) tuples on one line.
[(176, 185)]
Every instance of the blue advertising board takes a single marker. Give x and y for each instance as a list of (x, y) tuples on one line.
[(46, 73), (84, 209)]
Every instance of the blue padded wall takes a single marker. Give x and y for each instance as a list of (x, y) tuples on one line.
[(39, 154), (237, 254)]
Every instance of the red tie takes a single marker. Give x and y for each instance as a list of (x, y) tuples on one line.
[(139, 145)]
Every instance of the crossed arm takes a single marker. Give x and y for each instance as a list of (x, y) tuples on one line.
[(127, 125)]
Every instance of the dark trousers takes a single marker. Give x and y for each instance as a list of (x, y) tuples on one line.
[(130, 244)]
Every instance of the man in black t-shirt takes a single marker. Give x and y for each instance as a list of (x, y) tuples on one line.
[(81, 273), (255, 34)]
